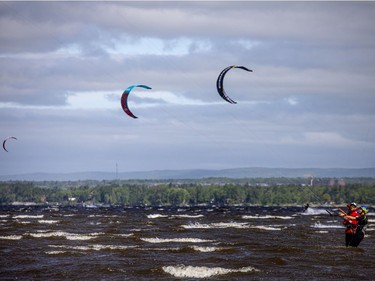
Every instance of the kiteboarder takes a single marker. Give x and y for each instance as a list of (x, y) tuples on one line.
[(306, 207), (351, 223), (362, 222)]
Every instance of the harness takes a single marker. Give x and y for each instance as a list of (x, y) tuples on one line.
[(351, 225)]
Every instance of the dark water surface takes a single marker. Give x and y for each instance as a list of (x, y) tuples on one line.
[(252, 243)]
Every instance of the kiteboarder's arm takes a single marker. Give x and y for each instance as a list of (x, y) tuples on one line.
[(358, 218)]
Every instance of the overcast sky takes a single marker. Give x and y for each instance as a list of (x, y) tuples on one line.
[(309, 102)]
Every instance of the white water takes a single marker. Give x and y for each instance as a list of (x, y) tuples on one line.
[(181, 271), (176, 240)]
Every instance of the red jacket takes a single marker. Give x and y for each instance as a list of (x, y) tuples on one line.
[(352, 214)]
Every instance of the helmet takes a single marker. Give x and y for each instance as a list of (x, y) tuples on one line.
[(353, 204), (364, 209)]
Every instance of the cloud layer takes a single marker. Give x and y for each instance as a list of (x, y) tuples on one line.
[(64, 65)]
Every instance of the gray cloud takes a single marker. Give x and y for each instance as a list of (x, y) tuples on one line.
[(64, 65)]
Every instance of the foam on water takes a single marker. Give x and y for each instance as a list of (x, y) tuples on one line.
[(315, 211), (155, 216), (230, 225), (176, 240), (11, 237), (264, 227), (267, 217), (92, 247), (188, 216), (68, 236), (55, 252), (319, 225), (28, 216), (161, 249), (123, 235), (216, 225), (48, 221), (181, 271), (23, 222), (206, 249)]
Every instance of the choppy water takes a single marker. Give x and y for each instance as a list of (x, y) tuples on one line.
[(254, 243)]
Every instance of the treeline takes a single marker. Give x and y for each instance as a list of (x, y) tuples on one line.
[(179, 194)]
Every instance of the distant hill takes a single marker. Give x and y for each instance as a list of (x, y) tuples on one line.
[(252, 172)]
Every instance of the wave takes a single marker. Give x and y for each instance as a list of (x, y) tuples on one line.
[(23, 222), (181, 271), (216, 225), (265, 227), (11, 237), (92, 247), (56, 252), (319, 225), (48, 221), (207, 249), (155, 216), (66, 235), (188, 216), (177, 240), (123, 235), (267, 217), (314, 211), (28, 217)]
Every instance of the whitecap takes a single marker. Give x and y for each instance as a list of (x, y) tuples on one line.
[(68, 236), (267, 217), (77, 237), (188, 216), (206, 249), (216, 225), (161, 249), (23, 222), (319, 225), (123, 235), (181, 271), (11, 237), (55, 252), (155, 216), (177, 240), (314, 211), (264, 227), (28, 217), (48, 234), (48, 221), (93, 247)]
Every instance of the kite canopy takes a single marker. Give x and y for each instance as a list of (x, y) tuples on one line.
[(8, 138), (220, 81), (124, 99)]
